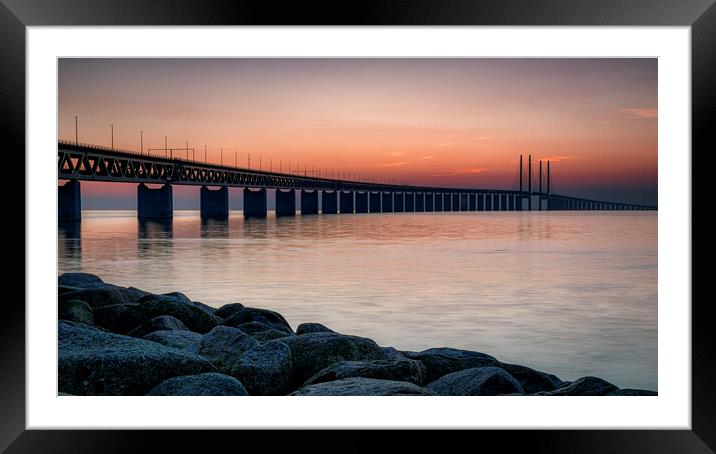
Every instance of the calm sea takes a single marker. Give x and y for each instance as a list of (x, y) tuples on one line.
[(571, 293)]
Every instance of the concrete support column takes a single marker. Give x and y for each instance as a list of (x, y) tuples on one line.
[(361, 202), (214, 203), (254, 203), (438, 202), (387, 202), (464, 206), (286, 202), (346, 201), (309, 202), (420, 201), (429, 201), (375, 202), (409, 202), (399, 202), (155, 203), (69, 201), (329, 202)]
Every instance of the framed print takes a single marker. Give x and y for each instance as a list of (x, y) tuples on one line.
[(437, 217)]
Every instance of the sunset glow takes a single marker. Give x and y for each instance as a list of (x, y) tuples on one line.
[(447, 122)]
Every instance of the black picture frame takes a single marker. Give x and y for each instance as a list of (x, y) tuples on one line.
[(16, 15)]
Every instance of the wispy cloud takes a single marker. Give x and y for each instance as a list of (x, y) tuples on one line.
[(423, 158), (394, 164), (445, 144), (465, 171), (555, 158), (396, 154), (639, 113)]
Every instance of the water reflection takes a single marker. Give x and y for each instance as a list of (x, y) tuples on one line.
[(69, 239)]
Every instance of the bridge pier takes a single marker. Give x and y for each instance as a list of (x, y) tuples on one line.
[(329, 202), (488, 202), (503, 202), (409, 202), (286, 202), (464, 205), (438, 201), (155, 203), (455, 202), (309, 202), (399, 202), (374, 202), (480, 201), (429, 201), (472, 202), (387, 203), (254, 203), (346, 201), (214, 203), (361, 202), (420, 202), (69, 201), (447, 201)]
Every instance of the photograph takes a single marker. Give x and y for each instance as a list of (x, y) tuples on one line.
[(373, 226)]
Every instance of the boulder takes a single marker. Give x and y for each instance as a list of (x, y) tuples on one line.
[(204, 307), (120, 318), (227, 310), (92, 362), (585, 386), (476, 381), (532, 381), (161, 323), (359, 386), (251, 314), (633, 392), (269, 335), (207, 384), (179, 296), (265, 370), (443, 361), (98, 294), (315, 351), (183, 340), (304, 328), (384, 369), (76, 311), (224, 345), (253, 327), (394, 353), (196, 319), (77, 279)]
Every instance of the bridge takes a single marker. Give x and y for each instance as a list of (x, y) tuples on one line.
[(85, 162)]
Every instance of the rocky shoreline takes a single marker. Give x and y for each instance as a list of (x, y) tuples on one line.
[(124, 341)]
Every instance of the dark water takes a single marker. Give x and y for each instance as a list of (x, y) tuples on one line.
[(572, 293)]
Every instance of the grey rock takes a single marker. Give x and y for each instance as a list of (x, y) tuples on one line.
[(98, 294), (92, 362), (532, 381), (265, 370), (207, 384), (315, 351), (251, 314), (224, 345), (269, 335), (384, 369), (476, 381), (304, 328), (227, 310), (196, 319), (443, 361), (161, 323), (359, 386), (633, 392), (183, 340), (76, 311), (204, 307), (77, 279), (585, 386), (179, 296), (394, 353), (253, 327), (119, 318)]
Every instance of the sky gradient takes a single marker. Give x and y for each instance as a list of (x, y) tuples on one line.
[(447, 122)]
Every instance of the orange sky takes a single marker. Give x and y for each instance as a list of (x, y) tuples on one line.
[(456, 122)]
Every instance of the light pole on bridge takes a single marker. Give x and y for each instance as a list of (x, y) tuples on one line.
[(165, 146), (112, 129), (77, 142), (141, 142)]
